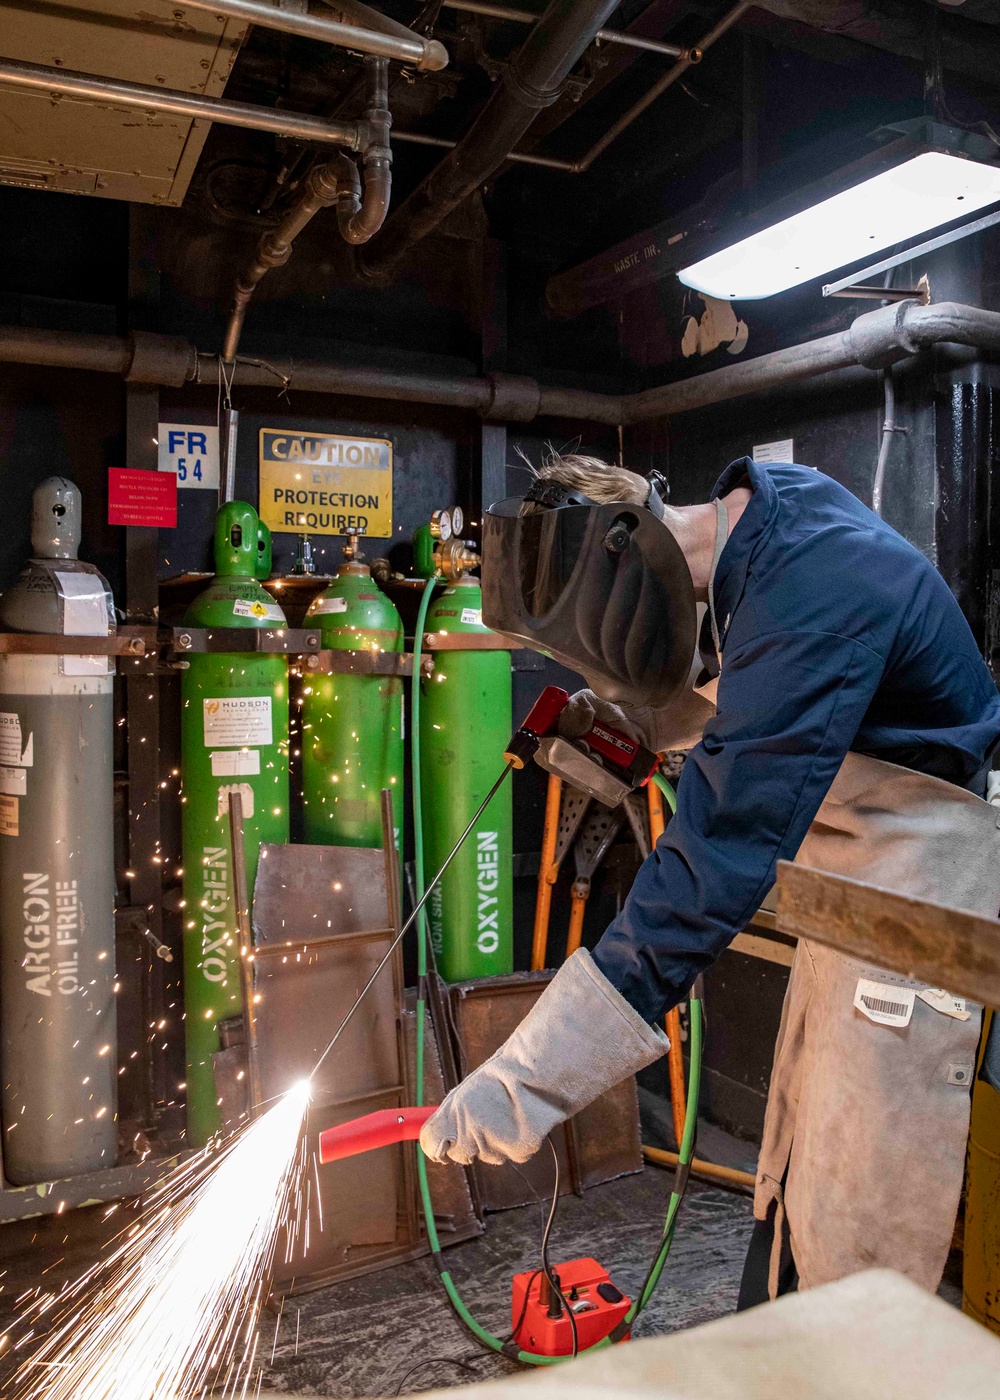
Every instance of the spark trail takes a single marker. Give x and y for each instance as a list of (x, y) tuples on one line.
[(173, 1310)]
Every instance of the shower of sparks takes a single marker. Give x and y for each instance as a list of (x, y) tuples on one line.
[(173, 1311)]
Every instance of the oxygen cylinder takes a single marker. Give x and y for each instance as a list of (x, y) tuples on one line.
[(57, 922), (234, 736), (465, 725), (352, 725), (263, 569)]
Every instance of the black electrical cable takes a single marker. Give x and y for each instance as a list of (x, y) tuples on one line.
[(524, 1307), (437, 1361), (552, 1277)]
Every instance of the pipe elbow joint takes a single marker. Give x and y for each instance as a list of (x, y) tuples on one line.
[(360, 217)]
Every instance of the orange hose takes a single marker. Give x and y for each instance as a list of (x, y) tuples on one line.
[(709, 1169), (577, 910), (672, 1021), (548, 874)]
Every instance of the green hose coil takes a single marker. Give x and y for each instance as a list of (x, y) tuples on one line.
[(686, 1153)]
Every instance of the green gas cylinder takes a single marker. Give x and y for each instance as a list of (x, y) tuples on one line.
[(352, 724), (263, 568), (465, 725), (234, 737)]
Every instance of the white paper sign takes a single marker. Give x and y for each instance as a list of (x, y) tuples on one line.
[(12, 755), (236, 763), (473, 617), (14, 782), (236, 722), (85, 605), (783, 451), (884, 1002), (191, 452), (241, 608)]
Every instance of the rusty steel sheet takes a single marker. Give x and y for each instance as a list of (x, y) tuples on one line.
[(323, 918), (927, 942), (599, 1144)]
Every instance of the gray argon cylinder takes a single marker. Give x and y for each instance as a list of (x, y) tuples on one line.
[(57, 949)]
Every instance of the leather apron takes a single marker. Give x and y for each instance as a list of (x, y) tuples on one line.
[(866, 1124)]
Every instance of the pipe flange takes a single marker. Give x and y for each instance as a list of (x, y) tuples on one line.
[(324, 183), (526, 93), (514, 398), (160, 359), (879, 338), (273, 251)]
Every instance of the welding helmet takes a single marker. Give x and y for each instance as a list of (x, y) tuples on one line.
[(604, 589)]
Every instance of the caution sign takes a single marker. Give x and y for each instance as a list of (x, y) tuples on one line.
[(324, 484)]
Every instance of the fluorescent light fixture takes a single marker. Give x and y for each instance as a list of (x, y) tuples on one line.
[(921, 194)]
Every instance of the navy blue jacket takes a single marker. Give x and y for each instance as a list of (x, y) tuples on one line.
[(836, 635)]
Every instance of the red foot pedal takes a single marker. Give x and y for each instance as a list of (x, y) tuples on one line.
[(374, 1130), (598, 1307)]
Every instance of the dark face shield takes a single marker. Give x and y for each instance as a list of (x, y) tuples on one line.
[(605, 590)]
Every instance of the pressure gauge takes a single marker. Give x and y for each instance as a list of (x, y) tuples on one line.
[(441, 525), (457, 520)]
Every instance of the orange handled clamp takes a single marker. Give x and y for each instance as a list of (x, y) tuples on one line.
[(380, 1129)]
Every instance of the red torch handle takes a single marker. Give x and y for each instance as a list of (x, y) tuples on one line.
[(374, 1130)]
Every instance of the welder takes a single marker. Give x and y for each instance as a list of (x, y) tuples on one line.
[(848, 720)]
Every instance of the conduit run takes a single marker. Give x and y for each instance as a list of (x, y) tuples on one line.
[(533, 80), (359, 216), (875, 340)]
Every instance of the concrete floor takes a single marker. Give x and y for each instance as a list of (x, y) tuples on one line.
[(361, 1338)]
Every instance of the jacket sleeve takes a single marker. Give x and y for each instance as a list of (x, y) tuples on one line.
[(790, 705)]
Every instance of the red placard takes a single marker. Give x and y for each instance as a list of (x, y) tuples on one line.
[(142, 498)]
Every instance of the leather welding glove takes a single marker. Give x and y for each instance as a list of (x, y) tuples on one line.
[(677, 725), (579, 1039)]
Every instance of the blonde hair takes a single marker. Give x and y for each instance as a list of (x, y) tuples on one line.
[(603, 482)]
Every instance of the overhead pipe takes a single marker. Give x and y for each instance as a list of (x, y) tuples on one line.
[(399, 43), (533, 80), (334, 182), (874, 340), (603, 36), (687, 59), (64, 82), (355, 12)]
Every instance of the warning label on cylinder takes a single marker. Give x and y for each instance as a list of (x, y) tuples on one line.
[(233, 721), (9, 816), (14, 781), (325, 484), (14, 752)]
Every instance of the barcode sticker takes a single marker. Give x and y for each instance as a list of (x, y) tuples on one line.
[(9, 816), (884, 1003)]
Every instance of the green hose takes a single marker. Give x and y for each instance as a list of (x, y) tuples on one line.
[(528, 1358), (666, 789)]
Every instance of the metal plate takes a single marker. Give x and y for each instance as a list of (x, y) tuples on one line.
[(928, 942), (597, 1145), (315, 948), (305, 892), (96, 147)]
